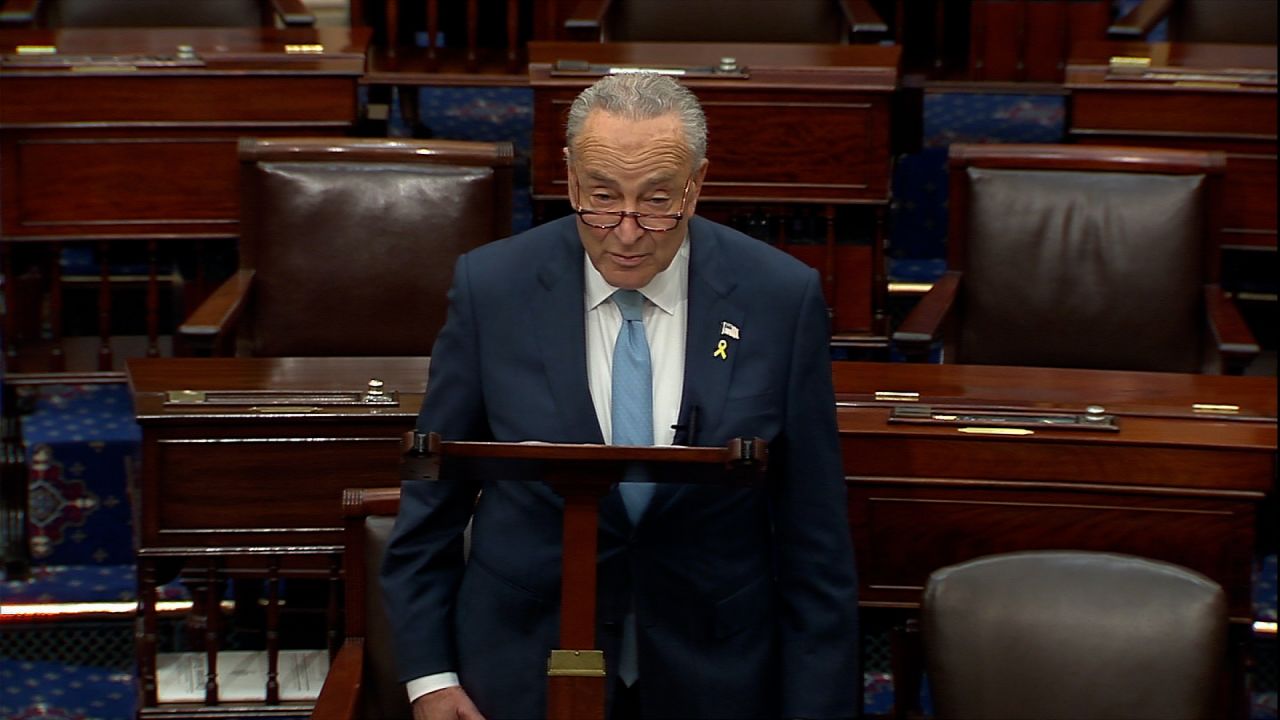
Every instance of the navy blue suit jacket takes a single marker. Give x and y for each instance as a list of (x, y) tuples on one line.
[(745, 597)]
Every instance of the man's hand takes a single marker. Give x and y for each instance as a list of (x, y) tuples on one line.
[(450, 703)]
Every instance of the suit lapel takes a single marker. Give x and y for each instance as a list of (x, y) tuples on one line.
[(706, 373), (708, 366), (561, 334)]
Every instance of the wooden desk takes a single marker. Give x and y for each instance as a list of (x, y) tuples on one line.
[(103, 138), (253, 487), (115, 137), (1196, 96), (805, 124), (1170, 484), (215, 476)]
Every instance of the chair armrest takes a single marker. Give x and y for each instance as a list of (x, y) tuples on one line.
[(1232, 337), (1138, 22), (18, 12), (923, 325), (340, 695), (293, 13), (862, 18), (586, 21), (206, 329)]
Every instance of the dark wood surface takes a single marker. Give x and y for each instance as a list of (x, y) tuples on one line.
[(239, 477), (1025, 41), (1195, 96), (148, 149), (1172, 483), (810, 123)]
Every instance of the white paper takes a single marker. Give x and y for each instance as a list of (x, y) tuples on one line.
[(242, 675)]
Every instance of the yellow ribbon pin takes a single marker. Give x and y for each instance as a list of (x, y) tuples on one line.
[(720, 350)]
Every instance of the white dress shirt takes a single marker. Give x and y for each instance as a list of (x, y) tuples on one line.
[(665, 318)]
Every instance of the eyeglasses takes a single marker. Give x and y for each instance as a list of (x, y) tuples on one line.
[(653, 222)]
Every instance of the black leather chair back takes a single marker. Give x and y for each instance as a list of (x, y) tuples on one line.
[(1084, 269), (353, 242), (1073, 635)]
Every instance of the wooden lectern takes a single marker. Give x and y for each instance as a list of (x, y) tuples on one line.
[(582, 474)]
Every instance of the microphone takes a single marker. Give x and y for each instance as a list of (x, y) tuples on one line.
[(687, 432)]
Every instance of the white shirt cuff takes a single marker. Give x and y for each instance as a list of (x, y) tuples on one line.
[(431, 683)]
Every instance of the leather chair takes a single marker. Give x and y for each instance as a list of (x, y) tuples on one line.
[(1202, 21), (348, 245), (154, 13), (1082, 257), (792, 21), (362, 677), (1079, 635)]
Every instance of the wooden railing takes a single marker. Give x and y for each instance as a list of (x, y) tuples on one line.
[(254, 648), (476, 41), (120, 299)]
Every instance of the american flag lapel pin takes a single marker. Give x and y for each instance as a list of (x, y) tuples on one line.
[(727, 330)]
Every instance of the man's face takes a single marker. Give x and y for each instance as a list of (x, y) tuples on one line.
[(637, 166)]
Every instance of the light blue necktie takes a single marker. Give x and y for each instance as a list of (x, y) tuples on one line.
[(632, 396), (632, 419)]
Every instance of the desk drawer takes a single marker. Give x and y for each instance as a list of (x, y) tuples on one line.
[(231, 492), (904, 530)]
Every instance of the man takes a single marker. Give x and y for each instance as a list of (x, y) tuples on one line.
[(714, 602)]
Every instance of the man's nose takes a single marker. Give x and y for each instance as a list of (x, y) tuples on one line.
[(629, 230)]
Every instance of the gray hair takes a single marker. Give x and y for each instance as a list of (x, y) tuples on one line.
[(641, 96)]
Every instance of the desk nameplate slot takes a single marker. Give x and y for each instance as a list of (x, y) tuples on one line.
[(1215, 409), (97, 63), (280, 400), (728, 69), (970, 418)]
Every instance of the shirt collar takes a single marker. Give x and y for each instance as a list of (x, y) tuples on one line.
[(665, 290)]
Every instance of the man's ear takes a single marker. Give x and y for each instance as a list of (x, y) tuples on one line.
[(698, 176), (571, 184), (701, 172)]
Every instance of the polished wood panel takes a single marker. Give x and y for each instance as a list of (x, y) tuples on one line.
[(1172, 483), (72, 185), (219, 477), (1196, 96), (148, 148), (209, 99), (808, 123), (1017, 40)]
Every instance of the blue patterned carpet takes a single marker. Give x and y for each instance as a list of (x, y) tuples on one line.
[(57, 690)]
